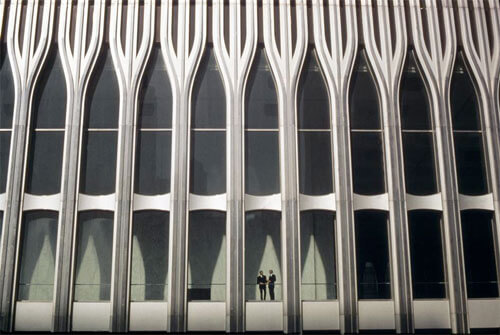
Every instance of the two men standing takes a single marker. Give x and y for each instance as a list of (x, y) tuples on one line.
[(262, 281)]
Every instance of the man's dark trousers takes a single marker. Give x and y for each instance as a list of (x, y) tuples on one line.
[(271, 291), (262, 289)]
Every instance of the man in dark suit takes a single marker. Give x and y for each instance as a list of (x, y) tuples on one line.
[(261, 281), (272, 279)]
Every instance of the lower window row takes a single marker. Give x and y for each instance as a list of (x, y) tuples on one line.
[(263, 253)]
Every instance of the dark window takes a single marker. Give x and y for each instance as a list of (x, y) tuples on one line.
[(209, 102), (313, 101), (426, 255), (479, 254), (262, 163), (415, 111), (367, 163), (207, 256), (262, 251), (103, 100), (372, 253), (94, 251), (49, 105), (317, 245), (208, 162), (6, 89), (155, 95), (363, 97), (149, 264), (153, 162), (45, 162), (261, 110), (4, 159), (420, 171), (471, 169), (315, 163), (464, 104), (38, 254), (98, 163)]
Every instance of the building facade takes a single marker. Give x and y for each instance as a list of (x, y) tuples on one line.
[(156, 155)]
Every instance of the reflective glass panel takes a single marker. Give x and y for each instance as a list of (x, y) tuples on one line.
[(155, 95), (38, 253), (103, 94), (98, 163), (363, 97), (208, 162), (372, 253), (209, 100), (49, 105), (45, 162), (471, 169), (464, 104), (149, 265), (153, 162), (317, 248), (315, 163), (313, 103), (262, 163), (426, 255), (6, 89), (415, 112), (479, 254), (207, 256), (94, 249), (262, 253), (367, 163), (4, 158), (420, 171), (261, 110)]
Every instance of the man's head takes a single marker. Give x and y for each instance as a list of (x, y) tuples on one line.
[(261, 272), (270, 272)]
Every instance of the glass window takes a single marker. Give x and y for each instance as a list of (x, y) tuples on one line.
[(464, 104), (6, 89), (153, 162), (471, 169), (103, 94), (155, 95), (426, 255), (38, 253), (209, 102), (261, 110), (367, 163), (207, 256), (363, 97), (317, 242), (45, 162), (414, 103), (149, 256), (4, 159), (98, 163), (479, 254), (49, 105), (420, 170), (313, 101), (94, 251), (372, 255), (208, 162), (262, 163), (315, 163), (262, 253)]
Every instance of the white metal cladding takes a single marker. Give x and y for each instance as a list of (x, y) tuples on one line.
[(332, 27)]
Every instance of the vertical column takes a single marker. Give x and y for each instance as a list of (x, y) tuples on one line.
[(484, 59), (26, 60), (436, 55), (129, 60), (337, 62), (387, 58), (286, 62), (182, 61), (78, 62), (234, 58)]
